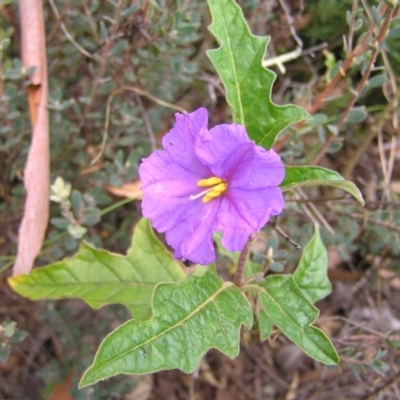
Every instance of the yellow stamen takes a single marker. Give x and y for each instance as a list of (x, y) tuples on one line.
[(206, 198), (213, 193), (209, 182), (220, 188), (215, 188)]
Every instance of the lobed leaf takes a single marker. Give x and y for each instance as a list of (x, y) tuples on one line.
[(189, 318), (312, 175), (288, 308), (99, 277), (248, 84)]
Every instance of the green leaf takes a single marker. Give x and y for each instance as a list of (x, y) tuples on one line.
[(189, 318), (248, 84), (91, 216), (311, 273), (9, 334), (358, 23), (312, 175), (288, 308), (60, 223), (377, 80), (99, 277), (264, 324), (318, 119), (357, 115), (394, 33), (119, 48)]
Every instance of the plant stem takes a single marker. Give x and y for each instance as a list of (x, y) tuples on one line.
[(238, 279), (275, 225), (116, 205)]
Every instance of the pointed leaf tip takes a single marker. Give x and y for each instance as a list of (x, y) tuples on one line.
[(286, 306), (308, 175), (99, 277)]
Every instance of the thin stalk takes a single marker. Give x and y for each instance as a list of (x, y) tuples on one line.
[(238, 279), (114, 206)]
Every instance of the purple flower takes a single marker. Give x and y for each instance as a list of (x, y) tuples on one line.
[(207, 181)]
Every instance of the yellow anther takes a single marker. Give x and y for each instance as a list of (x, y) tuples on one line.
[(206, 198), (209, 182), (213, 193), (220, 188), (216, 186)]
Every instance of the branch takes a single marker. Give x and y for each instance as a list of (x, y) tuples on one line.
[(36, 174)]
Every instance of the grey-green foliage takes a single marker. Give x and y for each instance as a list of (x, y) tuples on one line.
[(14, 121), (9, 334), (151, 49), (14, 133), (64, 324)]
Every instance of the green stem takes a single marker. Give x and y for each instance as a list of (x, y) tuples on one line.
[(6, 266), (115, 205)]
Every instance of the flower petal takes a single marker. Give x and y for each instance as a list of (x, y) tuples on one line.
[(193, 153), (219, 148), (243, 212), (215, 145), (179, 141), (264, 170), (191, 237), (166, 187)]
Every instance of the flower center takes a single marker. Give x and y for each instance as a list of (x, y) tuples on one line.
[(216, 187)]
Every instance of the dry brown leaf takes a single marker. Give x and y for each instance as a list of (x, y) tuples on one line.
[(62, 391), (334, 259), (36, 173), (143, 389), (391, 277), (130, 190), (395, 186), (209, 377)]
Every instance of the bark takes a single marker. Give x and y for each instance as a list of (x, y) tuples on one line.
[(36, 173)]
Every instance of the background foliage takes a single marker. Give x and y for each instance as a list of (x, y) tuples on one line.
[(159, 47)]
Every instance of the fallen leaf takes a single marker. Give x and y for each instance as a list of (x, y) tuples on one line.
[(334, 259), (143, 388), (395, 186), (131, 190), (390, 276), (61, 391)]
